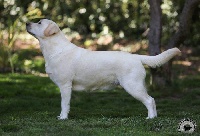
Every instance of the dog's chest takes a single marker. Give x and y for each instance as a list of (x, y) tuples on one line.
[(59, 72)]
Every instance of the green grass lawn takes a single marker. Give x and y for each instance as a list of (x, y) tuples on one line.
[(30, 104)]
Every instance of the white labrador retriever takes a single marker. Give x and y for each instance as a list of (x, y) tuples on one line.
[(74, 68)]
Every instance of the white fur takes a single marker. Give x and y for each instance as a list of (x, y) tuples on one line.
[(74, 68)]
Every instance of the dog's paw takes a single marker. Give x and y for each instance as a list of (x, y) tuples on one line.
[(150, 117), (62, 117)]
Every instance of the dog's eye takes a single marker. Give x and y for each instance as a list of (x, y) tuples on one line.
[(39, 22)]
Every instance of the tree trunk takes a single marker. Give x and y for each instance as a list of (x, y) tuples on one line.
[(163, 75), (182, 33), (184, 23), (154, 37)]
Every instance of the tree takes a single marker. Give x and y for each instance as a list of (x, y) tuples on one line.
[(155, 37), (175, 41), (13, 15)]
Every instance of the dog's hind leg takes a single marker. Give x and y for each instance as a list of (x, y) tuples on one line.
[(137, 90)]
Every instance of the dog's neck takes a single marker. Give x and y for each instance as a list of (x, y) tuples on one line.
[(52, 47)]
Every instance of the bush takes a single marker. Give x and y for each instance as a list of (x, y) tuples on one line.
[(26, 60)]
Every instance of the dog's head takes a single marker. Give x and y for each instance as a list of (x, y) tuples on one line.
[(44, 28)]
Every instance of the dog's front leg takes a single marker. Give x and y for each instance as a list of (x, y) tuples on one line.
[(65, 101)]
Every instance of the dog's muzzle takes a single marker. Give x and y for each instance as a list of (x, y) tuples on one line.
[(28, 27)]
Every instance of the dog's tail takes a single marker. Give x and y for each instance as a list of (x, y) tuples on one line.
[(158, 60)]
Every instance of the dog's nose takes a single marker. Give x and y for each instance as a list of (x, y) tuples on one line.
[(27, 24)]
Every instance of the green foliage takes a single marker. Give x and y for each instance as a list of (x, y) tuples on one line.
[(29, 106), (3, 57), (122, 19), (29, 60), (86, 17), (13, 17), (26, 60)]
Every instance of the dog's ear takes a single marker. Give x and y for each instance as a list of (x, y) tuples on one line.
[(51, 30)]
